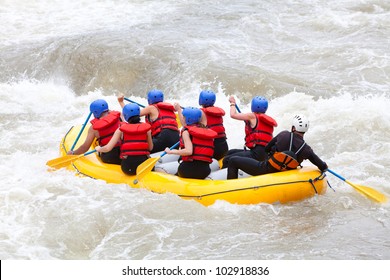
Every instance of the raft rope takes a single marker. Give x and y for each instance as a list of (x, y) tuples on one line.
[(314, 187), (63, 141), (330, 186), (311, 181)]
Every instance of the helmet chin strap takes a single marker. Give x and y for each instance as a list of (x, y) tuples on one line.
[(295, 131)]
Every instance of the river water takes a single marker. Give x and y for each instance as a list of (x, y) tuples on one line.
[(328, 60)]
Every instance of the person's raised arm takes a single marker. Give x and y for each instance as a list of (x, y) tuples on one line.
[(150, 111), (240, 116), (180, 113), (121, 98)]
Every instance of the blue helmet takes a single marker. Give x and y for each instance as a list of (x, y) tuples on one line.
[(192, 115), (207, 98), (98, 107), (155, 96), (259, 104), (130, 110)]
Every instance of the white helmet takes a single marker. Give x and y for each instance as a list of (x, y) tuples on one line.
[(301, 123)]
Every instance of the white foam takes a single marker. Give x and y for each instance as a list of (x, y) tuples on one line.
[(334, 53)]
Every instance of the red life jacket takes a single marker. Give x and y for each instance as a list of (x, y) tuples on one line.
[(214, 120), (135, 139), (166, 118), (106, 126), (202, 142), (261, 134)]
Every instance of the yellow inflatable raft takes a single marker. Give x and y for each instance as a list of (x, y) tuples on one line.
[(280, 187)]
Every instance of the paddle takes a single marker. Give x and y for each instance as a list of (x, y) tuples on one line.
[(131, 101), (81, 131), (238, 109), (367, 191), (147, 166), (66, 160)]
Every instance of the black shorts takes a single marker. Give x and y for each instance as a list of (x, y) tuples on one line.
[(112, 157), (194, 169), (130, 164)]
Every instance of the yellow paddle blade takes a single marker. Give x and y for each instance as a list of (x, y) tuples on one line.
[(369, 192), (145, 167), (62, 161)]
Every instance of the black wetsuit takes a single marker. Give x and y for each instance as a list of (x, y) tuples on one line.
[(258, 153), (279, 143), (112, 157)]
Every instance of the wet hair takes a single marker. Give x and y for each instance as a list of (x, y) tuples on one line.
[(134, 119)]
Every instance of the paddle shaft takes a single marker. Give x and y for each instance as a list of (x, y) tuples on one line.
[(88, 153), (174, 146), (127, 99), (81, 131), (337, 175)]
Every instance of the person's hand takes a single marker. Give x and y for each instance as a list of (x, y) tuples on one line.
[(325, 168), (177, 106), (232, 99), (120, 97), (70, 153), (98, 149), (167, 150)]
